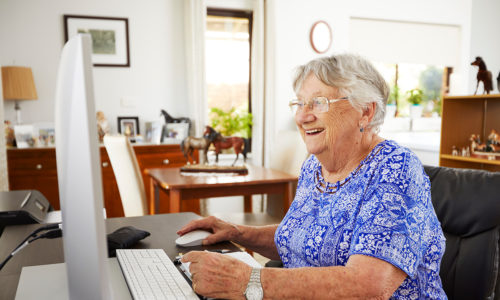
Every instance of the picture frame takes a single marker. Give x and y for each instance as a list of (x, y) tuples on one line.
[(128, 126), (24, 136), (44, 134), (110, 40), (178, 131)]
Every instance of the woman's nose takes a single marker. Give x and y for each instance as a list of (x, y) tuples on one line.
[(304, 115)]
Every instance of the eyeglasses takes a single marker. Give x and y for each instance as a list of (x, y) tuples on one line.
[(316, 104)]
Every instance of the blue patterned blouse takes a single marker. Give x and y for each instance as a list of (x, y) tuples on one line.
[(382, 209)]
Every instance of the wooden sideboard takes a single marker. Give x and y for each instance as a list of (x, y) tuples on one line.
[(35, 168)]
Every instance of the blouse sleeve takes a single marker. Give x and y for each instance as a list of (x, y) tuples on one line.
[(392, 216)]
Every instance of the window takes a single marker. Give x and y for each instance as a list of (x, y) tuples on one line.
[(228, 44), (407, 77)]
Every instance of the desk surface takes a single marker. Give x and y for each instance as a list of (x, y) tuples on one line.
[(163, 230)]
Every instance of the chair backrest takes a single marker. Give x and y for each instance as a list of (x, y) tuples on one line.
[(128, 175), (289, 153), (467, 203)]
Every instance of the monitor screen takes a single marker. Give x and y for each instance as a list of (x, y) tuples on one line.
[(79, 174)]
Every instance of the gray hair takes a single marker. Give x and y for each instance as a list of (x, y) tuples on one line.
[(353, 76)]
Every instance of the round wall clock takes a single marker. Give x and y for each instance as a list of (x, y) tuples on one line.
[(321, 36)]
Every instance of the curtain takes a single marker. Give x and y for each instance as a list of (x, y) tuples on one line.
[(4, 180), (257, 80), (195, 22)]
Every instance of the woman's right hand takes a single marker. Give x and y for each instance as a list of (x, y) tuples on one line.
[(221, 230)]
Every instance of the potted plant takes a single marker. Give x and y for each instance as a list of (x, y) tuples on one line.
[(232, 122), (415, 97)]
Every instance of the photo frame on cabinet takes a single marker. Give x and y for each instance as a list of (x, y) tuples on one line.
[(24, 136), (110, 42), (128, 126), (178, 131)]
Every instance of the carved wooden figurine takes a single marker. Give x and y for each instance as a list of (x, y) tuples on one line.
[(483, 75)]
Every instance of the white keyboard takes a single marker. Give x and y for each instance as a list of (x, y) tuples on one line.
[(150, 274)]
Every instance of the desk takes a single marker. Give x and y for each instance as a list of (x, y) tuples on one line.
[(163, 234), (178, 187)]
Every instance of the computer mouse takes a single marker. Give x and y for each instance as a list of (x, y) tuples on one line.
[(192, 238)]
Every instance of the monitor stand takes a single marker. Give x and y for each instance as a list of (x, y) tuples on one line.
[(50, 282)]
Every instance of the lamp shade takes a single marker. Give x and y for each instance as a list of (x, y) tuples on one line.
[(18, 83)]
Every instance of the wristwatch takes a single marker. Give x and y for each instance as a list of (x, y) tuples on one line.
[(254, 288)]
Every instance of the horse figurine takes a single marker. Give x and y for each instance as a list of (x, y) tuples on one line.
[(494, 138), (476, 144), (170, 119), (239, 144), (483, 75), (190, 143)]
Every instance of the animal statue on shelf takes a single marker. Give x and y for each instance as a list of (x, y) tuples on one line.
[(483, 75), (494, 138), (239, 144), (170, 119), (189, 144), (492, 144), (498, 82), (476, 144)]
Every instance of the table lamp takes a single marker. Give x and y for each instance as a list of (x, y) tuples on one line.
[(18, 84)]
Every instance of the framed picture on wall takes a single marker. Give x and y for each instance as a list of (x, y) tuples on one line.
[(128, 126), (110, 45)]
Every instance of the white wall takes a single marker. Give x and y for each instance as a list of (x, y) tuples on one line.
[(32, 34), (485, 41), (293, 19)]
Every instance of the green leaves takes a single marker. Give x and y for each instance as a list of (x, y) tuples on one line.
[(415, 96), (232, 122)]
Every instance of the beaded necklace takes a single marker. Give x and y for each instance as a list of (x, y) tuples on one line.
[(325, 187)]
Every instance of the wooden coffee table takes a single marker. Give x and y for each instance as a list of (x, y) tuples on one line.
[(178, 187)]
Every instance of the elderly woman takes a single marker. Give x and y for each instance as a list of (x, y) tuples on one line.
[(362, 224)]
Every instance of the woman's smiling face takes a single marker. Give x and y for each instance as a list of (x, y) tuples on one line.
[(328, 132)]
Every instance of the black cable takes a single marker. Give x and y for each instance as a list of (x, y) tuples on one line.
[(53, 231)]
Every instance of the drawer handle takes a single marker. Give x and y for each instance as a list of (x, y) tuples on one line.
[(105, 164), (166, 161), (39, 166)]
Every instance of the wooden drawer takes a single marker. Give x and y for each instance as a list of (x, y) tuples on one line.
[(36, 168), (170, 160), (32, 161)]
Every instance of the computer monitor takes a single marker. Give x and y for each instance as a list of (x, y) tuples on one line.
[(79, 174)]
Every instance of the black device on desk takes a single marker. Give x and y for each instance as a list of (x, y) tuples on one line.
[(22, 207)]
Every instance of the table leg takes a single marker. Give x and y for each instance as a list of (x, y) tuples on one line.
[(154, 196), (287, 196), (247, 203), (175, 201)]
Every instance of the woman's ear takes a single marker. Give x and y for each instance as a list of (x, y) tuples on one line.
[(368, 112)]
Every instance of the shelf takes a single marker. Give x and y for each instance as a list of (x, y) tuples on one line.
[(463, 116), (474, 97), (470, 159)]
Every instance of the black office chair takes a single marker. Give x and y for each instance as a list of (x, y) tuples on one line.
[(467, 203)]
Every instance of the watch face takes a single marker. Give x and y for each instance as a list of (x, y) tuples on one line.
[(254, 292)]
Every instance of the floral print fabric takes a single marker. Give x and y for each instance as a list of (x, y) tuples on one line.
[(382, 209)]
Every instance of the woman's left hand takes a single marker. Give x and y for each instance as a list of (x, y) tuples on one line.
[(217, 276)]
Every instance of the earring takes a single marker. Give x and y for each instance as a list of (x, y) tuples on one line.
[(361, 127)]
